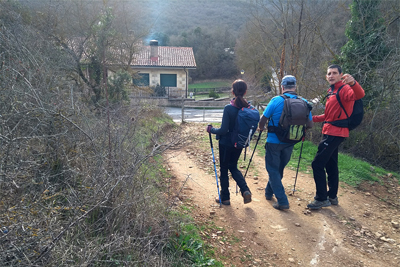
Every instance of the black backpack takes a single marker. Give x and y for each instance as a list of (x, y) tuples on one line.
[(356, 116), (245, 126), (293, 121)]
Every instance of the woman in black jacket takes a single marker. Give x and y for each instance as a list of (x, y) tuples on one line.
[(228, 154)]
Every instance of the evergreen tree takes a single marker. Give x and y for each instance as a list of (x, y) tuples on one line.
[(366, 48)]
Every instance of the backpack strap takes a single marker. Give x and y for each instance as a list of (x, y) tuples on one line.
[(340, 102), (238, 109), (273, 128), (284, 98)]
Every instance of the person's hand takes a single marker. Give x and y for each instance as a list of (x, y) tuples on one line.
[(208, 129), (348, 79)]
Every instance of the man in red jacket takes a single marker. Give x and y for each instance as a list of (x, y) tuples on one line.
[(327, 155)]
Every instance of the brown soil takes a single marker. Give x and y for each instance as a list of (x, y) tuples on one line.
[(363, 230)]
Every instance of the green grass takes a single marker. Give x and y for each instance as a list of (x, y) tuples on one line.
[(186, 208), (355, 171), (201, 90), (307, 156), (208, 85), (151, 125), (351, 170), (191, 246), (204, 96)]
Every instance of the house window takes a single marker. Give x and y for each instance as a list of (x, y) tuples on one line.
[(142, 80), (168, 80)]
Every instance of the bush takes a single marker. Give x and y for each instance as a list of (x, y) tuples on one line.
[(159, 90), (78, 187), (213, 94), (117, 84)]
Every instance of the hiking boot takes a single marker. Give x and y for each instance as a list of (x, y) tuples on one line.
[(280, 207), (267, 197), (334, 201), (246, 197), (316, 204), (223, 202)]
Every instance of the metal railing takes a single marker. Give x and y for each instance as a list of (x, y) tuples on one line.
[(202, 114), (195, 113)]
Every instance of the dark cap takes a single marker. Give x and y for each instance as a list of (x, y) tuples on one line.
[(289, 80)]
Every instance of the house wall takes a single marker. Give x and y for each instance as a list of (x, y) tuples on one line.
[(154, 79)]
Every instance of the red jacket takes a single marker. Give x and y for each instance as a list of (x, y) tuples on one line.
[(348, 94)]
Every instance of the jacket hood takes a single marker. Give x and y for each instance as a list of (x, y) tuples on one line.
[(233, 102)]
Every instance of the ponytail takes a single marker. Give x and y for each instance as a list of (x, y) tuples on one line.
[(240, 102), (239, 88)]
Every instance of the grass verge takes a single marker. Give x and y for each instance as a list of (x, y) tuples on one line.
[(210, 84), (352, 171), (205, 96), (187, 244)]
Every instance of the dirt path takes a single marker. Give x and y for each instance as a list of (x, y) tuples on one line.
[(362, 230)]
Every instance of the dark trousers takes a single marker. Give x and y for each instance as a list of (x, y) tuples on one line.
[(228, 159), (327, 159)]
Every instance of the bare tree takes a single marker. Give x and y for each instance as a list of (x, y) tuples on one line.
[(98, 35), (302, 39), (63, 201), (286, 36)]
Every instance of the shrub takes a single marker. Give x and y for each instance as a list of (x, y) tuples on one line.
[(213, 94)]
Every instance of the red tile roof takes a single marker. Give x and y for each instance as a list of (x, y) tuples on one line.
[(168, 56)]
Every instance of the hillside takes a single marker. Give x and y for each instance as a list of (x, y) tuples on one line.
[(177, 16)]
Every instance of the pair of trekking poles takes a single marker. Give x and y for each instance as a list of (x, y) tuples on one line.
[(215, 167), (298, 164), (251, 158)]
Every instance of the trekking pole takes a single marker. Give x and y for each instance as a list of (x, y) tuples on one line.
[(258, 139), (248, 139), (215, 169), (244, 177), (298, 164)]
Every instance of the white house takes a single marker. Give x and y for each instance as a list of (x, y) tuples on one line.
[(165, 66)]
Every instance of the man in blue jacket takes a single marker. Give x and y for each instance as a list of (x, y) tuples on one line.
[(277, 153)]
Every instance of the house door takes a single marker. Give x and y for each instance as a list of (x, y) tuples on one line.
[(167, 81)]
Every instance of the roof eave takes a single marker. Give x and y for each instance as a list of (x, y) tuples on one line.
[(163, 67)]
